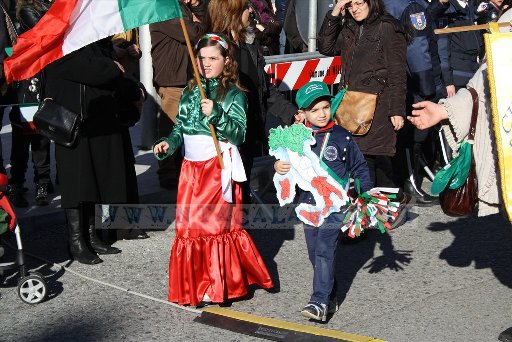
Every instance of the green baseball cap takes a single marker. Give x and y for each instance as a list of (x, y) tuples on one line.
[(310, 92)]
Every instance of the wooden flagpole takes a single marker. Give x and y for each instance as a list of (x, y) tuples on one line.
[(201, 90), (468, 28)]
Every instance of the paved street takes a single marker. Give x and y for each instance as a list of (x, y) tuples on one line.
[(435, 278)]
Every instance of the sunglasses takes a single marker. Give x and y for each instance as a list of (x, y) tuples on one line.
[(354, 4)]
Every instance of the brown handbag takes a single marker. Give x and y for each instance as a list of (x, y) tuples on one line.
[(462, 201), (357, 109), (355, 113)]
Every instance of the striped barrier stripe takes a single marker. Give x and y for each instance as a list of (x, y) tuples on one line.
[(288, 76)]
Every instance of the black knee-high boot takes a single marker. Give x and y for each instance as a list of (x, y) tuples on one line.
[(92, 238), (99, 246), (77, 246)]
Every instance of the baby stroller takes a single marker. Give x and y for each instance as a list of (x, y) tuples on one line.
[(32, 288)]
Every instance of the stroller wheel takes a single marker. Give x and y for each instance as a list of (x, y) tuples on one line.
[(32, 289)]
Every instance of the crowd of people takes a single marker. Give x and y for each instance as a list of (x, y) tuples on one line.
[(388, 50)]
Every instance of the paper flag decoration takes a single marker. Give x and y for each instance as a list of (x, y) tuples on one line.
[(293, 144)]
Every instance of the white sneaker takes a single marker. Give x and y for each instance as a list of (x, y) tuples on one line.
[(316, 311)]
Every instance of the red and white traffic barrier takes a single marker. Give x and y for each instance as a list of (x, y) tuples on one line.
[(288, 76)]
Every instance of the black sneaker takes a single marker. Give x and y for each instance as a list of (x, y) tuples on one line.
[(506, 336), (17, 196), (42, 194), (316, 311)]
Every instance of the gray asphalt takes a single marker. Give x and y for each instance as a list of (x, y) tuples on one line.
[(435, 278)]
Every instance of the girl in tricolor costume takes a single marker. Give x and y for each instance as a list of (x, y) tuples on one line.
[(213, 259)]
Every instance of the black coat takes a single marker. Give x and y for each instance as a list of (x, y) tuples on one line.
[(369, 57), (100, 167)]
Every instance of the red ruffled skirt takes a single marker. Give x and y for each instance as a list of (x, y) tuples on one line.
[(211, 253)]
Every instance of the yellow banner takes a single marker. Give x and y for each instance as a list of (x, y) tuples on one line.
[(499, 62)]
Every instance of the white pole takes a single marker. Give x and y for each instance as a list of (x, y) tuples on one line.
[(148, 120), (313, 9)]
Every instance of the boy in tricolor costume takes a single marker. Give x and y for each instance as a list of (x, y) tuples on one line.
[(341, 156), (213, 259)]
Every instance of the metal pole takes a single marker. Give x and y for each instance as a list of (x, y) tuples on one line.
[(313, 9), (148, 120)]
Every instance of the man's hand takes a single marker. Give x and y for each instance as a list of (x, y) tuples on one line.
[(450, 90), (397, 121), (133, 50), (427, 114)]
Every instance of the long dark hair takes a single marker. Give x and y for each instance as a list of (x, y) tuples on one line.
[(229, 73), (376, 8)]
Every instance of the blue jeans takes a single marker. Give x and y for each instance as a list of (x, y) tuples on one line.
[(321, 243)]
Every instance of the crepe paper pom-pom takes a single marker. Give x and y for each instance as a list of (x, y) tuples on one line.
[(370, 209)]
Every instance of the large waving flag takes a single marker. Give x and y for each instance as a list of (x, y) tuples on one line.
[(72, 24)]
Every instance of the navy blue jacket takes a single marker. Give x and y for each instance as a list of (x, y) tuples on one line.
[(341, 155), (459, 52), (424, 66)]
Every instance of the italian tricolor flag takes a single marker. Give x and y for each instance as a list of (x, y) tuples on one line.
[(72, 24)]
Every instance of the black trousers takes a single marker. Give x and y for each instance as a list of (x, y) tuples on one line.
[(382, 172), (21, 144)]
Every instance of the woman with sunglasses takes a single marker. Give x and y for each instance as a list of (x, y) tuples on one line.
[(372, 46)]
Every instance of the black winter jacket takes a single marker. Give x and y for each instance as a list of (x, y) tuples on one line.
[(423, 64), (459, 52)]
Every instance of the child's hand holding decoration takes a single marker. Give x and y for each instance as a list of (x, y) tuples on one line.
[(282, 167)]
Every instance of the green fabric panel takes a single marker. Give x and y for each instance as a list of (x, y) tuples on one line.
[(454, 175), (336, 101), (135, 13)]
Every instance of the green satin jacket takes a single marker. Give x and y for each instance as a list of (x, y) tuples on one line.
[(228, 117)]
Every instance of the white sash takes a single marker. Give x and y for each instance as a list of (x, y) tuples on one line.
[(201, 148)]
